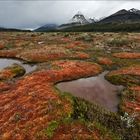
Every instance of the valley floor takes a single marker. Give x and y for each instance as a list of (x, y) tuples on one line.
[(32, 108)]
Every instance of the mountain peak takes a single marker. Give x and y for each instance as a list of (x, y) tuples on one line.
[(123, 11), (133, 10), (79, 14), (79, 18)]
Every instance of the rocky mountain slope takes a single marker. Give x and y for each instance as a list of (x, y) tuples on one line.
[(132, 15)]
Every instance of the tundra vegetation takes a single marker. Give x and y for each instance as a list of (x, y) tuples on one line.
[(31, 107)]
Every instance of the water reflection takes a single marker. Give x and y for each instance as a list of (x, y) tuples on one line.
[(94, 89), (5, 62)]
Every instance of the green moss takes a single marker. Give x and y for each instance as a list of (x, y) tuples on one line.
[(106, 132), (125, 62), (126, 80), (9, 46), (90, 112), (49, 131), (17, 70)]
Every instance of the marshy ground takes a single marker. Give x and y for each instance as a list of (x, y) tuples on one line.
[(32, 108)]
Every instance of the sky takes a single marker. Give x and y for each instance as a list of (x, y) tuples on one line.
[(30, 14)]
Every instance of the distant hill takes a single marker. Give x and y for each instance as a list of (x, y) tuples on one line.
[(2, 29), (76, 20), (47, 27), (132, 15)]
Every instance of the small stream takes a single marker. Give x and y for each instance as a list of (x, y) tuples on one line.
[(95, 90), (5, 62)]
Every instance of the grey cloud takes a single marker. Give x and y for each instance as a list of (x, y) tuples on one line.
[(32, 14)]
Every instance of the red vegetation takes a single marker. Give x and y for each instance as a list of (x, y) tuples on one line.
[(132, 107), (1, 46), (43, 53), (39, 56), (52, 53), (9, 53), (76, 130), (6, 74), (127, 55), (82, 55), (77, 43), (65, 40), (136, 88), (4, 86), (11, 71), (132, 104), (32, 102), (105, 61)]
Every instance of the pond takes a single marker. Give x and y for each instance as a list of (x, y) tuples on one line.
[(5, 62), (94, 89)]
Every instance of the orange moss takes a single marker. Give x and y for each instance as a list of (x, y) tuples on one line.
[(136, 88), (47, 53), (11, 72), (132, 107), (32, 102), (10, 53), (65, 40), (77, 43), (41, 56), (128, 55), (4, 86), (131, 102), (6, 74), (76, 131), (1, 46), (71, 46), (82, 55), (104, 61)]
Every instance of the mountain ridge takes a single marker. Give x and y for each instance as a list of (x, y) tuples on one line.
[(132, 15), (122, 16)]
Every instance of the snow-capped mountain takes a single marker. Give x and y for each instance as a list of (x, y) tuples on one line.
[(121, 16), (79, 18), (133, 10), (132, 15), (76, 20), (91, 20)]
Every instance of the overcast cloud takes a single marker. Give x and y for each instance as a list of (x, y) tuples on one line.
[(32, 14)]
